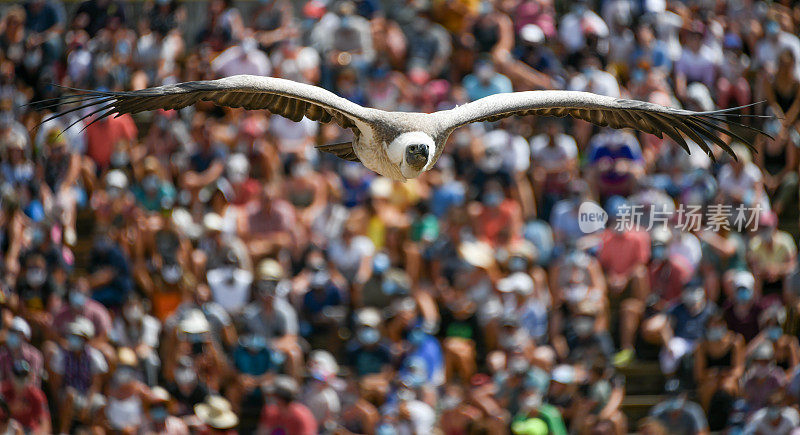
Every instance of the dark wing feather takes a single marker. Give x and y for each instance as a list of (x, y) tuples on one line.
[(287, 98), (341, 150), (700, 127)]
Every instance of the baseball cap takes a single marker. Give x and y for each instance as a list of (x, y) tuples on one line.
[(20, 368), (368, 317), (519, 282), (18, 324), (195, 322), (270, 269), (744, 279)]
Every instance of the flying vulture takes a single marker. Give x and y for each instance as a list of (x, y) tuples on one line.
[(402, 145)]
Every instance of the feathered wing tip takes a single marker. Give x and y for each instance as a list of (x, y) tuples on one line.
[(286, 98), (705, 125), (703, 128), (84, 99)]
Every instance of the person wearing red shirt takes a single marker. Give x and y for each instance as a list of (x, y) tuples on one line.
[(102, 137), (499, 218), (666, 277), (624, 254), (285, 414), (27, 403)]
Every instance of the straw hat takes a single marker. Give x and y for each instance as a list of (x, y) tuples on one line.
[(270, 269), (195, 322), (18, 324), (126, 357), (519, 282), (216, 413), (159, 395), (478, 254), (82, 327)]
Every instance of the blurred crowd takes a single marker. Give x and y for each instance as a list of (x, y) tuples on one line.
[(208, 271)]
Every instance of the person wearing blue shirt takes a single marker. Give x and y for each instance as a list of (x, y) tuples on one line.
[(367, 353), (425, 348), (616, 161), (447, 194), (254, 361), (486, 81), (649, 53), (111, 272), (688, 320), (321, 295)]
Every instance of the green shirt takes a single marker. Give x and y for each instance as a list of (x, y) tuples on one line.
[(547, 420)]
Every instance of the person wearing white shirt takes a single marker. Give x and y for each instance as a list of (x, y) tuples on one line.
[(774, 420), (571, 29), (230, 285), (244, 58), (513, 147)]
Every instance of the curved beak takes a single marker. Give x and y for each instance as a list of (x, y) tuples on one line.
[(417, 156)]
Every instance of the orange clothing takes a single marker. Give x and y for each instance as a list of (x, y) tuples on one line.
[(165, 303), (495, 224), (621, 252), (103, 135)]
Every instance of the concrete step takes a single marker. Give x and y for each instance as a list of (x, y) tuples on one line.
[(643, 378), (637, 407)]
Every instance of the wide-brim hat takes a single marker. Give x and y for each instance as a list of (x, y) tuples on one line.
[(478, 254), (195, 322), (216, 412)]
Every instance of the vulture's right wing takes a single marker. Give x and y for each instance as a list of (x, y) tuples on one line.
[(287, 98)]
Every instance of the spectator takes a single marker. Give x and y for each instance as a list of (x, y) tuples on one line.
[(216, 416), (17, 348), (762, 378), (76, 371), (159, 419), (772, 254), (742, 311), (272, 317), (244, 58), (25, 401), (555, 160), (440, 300), (718, 366), (775, 418), (141, 332), (485, 81), (111, 273), (286, 413), (687, 321), (126, 394), (696, 63), (678, 414)]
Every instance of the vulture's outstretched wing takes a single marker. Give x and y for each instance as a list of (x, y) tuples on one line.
[(287, 98), (700, 127)]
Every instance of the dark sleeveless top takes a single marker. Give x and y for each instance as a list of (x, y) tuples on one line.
[(783, 364), (774, 163), (722, 361), (487, 34), (786, 101)]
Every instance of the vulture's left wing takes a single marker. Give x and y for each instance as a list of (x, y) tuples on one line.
[(700, 127)]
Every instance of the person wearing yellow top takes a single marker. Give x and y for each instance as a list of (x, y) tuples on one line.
[(772, 257)]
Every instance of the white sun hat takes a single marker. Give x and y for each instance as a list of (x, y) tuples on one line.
[(216, 412), (195, 322), (519, 282)]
